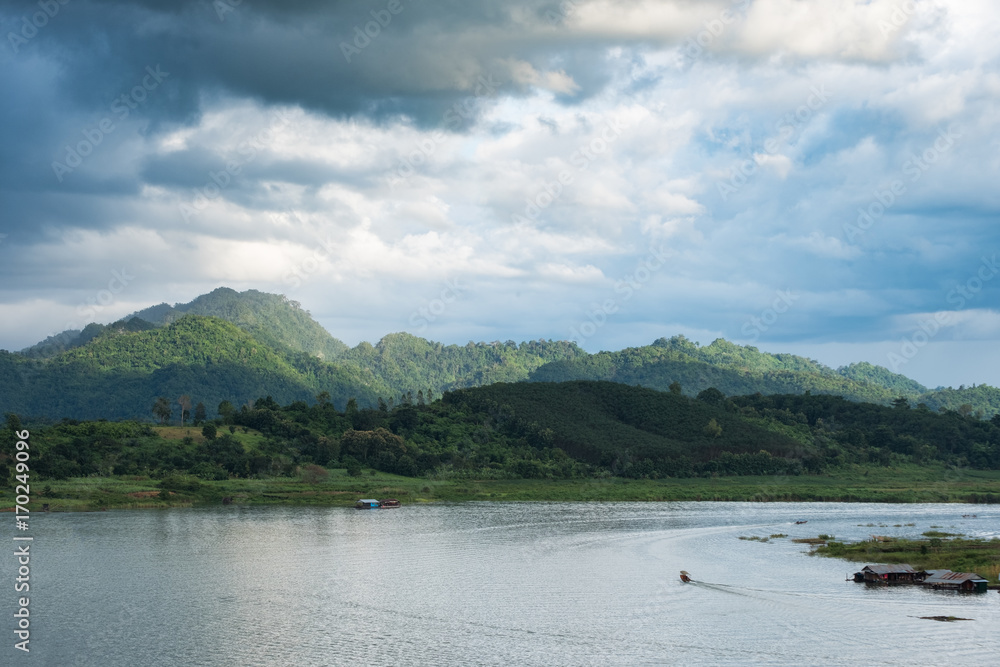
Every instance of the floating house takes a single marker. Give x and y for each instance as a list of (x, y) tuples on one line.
[(890, 574), (367, 504), (968, 582), (388, 503)]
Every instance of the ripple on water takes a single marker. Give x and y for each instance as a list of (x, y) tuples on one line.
[(492, 584)]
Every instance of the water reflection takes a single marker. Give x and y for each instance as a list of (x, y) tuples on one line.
[(491, 583)]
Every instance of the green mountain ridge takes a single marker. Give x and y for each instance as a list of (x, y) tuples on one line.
[(239, 347), (271, 318)]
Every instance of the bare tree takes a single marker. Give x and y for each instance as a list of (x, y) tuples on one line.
[(185, 403)]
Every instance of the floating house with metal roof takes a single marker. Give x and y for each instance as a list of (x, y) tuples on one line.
[(367, 504), (968, 582), (890, 574)]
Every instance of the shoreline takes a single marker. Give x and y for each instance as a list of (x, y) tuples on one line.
[(339, 489)]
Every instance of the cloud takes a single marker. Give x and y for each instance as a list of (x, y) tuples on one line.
[(535, 150)]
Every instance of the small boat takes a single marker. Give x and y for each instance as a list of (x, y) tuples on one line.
[(388, 503), (367, 504), (800, 522), (685, 577)]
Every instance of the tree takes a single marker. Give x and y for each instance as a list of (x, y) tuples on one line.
[(712, 396), (353, 466), (13, 422), (209, 431), (901, 403), (200, 414), (965, 409), (226, 410), (675, 387), (185, 402), (323, 398), (712, 428), (162, 410)]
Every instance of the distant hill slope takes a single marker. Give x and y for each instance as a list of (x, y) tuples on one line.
[(120, 374), (409, 363), (270, 318), (613, 425), (298, 358), (737, 370), (878, 375), (730, 368)]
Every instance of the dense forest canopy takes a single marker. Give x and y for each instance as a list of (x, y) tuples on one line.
[(578, 429)]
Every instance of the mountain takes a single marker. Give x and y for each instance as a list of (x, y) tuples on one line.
[(270, 318), (732, 369), (116, 370), (407, 362), (120, 373), (737, 370)]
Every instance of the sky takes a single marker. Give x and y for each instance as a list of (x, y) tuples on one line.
[(808, 176)]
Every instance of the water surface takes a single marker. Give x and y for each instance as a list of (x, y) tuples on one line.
[(488, 584)]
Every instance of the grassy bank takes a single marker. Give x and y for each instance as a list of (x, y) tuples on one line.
[(958, 554), (337, 488)]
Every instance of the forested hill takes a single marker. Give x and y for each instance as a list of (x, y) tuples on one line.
[(541, 430), (405, 362), (120, 373), (270, 318), (737, 370), (125, 367), (118, 370)]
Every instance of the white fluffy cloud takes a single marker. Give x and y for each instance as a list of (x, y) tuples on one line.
[(741, 140)]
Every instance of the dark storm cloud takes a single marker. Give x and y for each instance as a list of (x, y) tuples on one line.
[(418, 63), (70, 75)]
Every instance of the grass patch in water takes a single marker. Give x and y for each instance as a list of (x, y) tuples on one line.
[(959, 555)]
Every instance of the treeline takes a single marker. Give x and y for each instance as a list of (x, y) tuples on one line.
[(525, 430), (848, 432)]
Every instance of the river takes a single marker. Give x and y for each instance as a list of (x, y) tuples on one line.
[(487, 584)]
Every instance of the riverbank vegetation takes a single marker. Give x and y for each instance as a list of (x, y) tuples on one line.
[(959, 554), (536, 441), (315, 485)]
